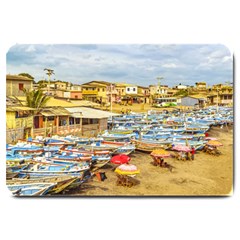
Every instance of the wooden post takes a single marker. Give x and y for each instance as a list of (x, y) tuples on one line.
[(68, 124), (57, 124), (81, 129)]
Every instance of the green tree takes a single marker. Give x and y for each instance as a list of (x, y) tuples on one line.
[(27, 75), (36, 99), (181, 92)]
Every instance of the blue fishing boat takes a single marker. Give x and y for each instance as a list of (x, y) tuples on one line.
[(49, 169), (31, 189)]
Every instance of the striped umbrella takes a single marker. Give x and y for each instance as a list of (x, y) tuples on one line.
[(127, 169), (181, 148)]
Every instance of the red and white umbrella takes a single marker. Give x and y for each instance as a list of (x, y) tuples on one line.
[(120, 159), (181, 148), (211, 138), (127, 169)]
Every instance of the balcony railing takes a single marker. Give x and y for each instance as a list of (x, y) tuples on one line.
[(89, 92)]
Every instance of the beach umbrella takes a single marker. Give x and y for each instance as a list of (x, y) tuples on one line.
[(214, 143), (127, 169), (181, 148), (211, 138), (160, 153), (120, 159)]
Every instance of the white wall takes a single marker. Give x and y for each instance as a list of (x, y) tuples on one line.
[(131, 90), (66, 94)]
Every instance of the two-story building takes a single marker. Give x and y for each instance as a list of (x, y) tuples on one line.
[(221, 95), (15, 85), (128, 93), (19, 120), (201, 85), (145, 92), (73, 92), (99, 91)]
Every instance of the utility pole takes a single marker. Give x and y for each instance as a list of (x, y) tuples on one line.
[(49, 73)]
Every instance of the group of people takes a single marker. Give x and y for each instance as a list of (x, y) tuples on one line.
[(161, 163), (187, 155)]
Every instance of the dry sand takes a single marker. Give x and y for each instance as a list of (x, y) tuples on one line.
[(205, 176)]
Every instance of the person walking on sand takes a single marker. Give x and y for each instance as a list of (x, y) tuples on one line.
[(193, 152)]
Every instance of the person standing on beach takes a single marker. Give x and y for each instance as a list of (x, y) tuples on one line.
[(193, 152)]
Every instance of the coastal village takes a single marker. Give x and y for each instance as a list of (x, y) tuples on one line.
[(83, 109), (104, 138)]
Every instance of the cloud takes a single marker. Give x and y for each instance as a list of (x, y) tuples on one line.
[(133, 63), (31, 48), (169, 65)]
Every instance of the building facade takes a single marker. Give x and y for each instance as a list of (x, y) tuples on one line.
[(15, 85)]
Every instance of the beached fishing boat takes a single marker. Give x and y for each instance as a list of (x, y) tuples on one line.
[(61, 182), (149, 146), (44, 169), (25, 149), (31, 189)]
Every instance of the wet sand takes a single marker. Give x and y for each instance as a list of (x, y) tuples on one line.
[(206, 175)]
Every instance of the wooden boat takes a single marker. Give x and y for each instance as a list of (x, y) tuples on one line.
[(31, 189), (40, 170), (26, 150), (61, 183), (120, 131), (11, 175), (150, 146)]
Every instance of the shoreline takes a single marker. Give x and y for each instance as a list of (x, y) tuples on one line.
[(205, 176)]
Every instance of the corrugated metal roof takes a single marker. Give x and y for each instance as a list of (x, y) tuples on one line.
[(47, 113), (90, 113), (18, 78), (19, 108), (59, 111), (52, 102), (85, 103)]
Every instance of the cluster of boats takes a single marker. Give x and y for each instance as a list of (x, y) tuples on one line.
[(152, 130), (48, 166)]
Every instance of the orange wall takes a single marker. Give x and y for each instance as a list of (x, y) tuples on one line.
[(78, 94)]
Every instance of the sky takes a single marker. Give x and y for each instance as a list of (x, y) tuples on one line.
[(140, 64)]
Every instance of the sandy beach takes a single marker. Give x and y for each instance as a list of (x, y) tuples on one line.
[(204, 176)]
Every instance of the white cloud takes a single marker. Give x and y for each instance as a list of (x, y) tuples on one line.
[(30, 48), (227, 59), (169, 65)]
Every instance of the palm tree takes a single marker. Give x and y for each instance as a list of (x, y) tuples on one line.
[(36, 99)]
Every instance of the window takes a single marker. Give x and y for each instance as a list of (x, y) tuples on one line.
[(128, 89), (77, 120), (134, 89), (122, 90), (76, 96), (20, 86)]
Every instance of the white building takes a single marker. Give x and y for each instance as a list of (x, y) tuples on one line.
[(180, 86), (131, 90)]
